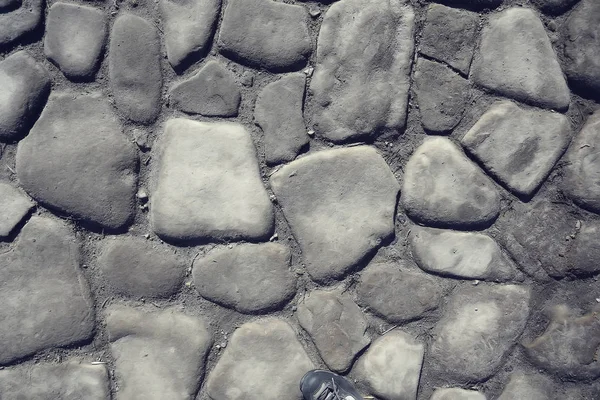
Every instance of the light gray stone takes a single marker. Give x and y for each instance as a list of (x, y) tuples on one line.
[(20, 22), (457, 394), (15, 206), (532, 386), (77, 161), (269, 343), (340, 205), (363, 45), (554, 6)]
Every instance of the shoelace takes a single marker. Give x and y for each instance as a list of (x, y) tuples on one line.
[(331, 393)]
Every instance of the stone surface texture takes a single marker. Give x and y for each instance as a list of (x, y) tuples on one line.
[(528, 386), (457, 394), (15, 206), (21, 21)]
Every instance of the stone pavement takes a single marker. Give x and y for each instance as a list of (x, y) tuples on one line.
[(204, 199)]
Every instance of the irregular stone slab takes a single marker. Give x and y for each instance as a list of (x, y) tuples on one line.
[(77, 161), (442, 96), (212, 92), (278, 112), (266, 34), (363, 45), (75, 38), (137, 267), (340, 205), (248, 278), (269, 343), (15, 206), (336, 325), (528, 386), (158, 355), (442, 187), (457, 394), (554, 6), (69, 380), (134, 68), (397, 293), (516, 59), (480, 326), (391, 366), (43, 292), (188, 28), (18, 23), (25, 88), (218, 192)]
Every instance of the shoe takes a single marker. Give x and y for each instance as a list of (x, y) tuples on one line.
[(325, 385)]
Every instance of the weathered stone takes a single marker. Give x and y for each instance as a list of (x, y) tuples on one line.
[(516, 59), (212, 92), (278, 112), (269, 343), (554, 6), (363, 45), (480, 326), (458, 394), (15, 206), (25, 87), (45, 297), (442, 96), (584, 255), (336, 325), (158, 355), (266, 34), (139, 268), (528, 386), (217, 193), (20, 22), (75, 38), (397, 293), (249, 277), (76, 160), (340, 205), (443, 188), (391, 366), (134, 68)]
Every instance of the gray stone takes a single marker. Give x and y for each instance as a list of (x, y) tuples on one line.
[(398, 292), (458, 394), (75, 39), (441, 94), (554, 6), (336, 325), (516, 59), (480, 325), (249, 278), (137, 267), (217, 193), (68, 381), (15, 206), (76, 160), (340, 205), (20, 22), (584, 255), (134, 68), (363, 45), (212, 92), (158, 355), (532, 386), (46, 299), (25, 88), (442, 187), (266, 34), (391, 366), (278, 112), (269, 343)]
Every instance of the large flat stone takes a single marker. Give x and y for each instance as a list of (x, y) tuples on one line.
[(15, 206), (21, 21), (458, 394), (340, 205), (363, 45)]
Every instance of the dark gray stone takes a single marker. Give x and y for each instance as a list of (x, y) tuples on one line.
[(19, 22), (473, 4), (15, 206), (8, 5), (554, 6)]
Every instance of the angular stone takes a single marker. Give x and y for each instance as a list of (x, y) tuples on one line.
[(188, 27), (391, 366), (278, 112), (77, 161), (442, 187), (158, 355), (336, 325), (529, 386), (516, 59), (75, 38), (269, 343), (458, 394), (397, 292), (363, 45), (442, 96), (340, 205), (25, 87), (554, 6), (249, 278), (20, 22), (212, 92), (134, 68), (480, 326), (266, 34), (15, 206), (69, 380), (217, 193), (46, 299)]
